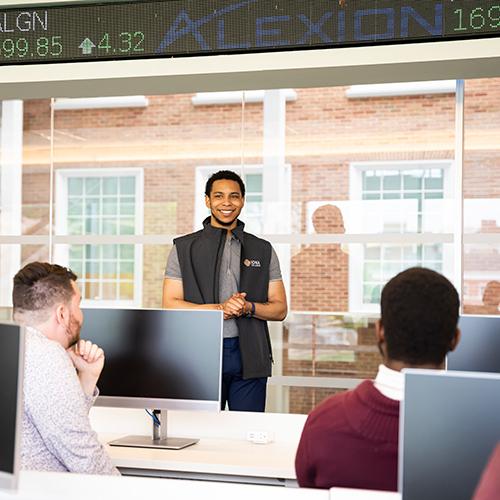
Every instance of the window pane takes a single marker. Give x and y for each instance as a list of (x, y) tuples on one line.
[(371, 181), (372, 272), (253, 183), (126, 270), (76, 252), (412, 179), (372, 252), (109, 291), (75, 186), (252, 198), (392, 253), (126, 291), (371, 293), (93, 207), (411, 253), (110, 185), (127, 185), (127, 206), (93, 252), (92, 225), (109, 269), (391, 180), (434, 179), (127, 226), (92, 186), (75, 207), (75, 226), (126, 252), (76, 266), (109, 206), (110, 251), (92, 270), (433, 252), (92, 291), (391, 196), (109, 226)]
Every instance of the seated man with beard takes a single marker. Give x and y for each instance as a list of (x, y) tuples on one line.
[(61, 373)]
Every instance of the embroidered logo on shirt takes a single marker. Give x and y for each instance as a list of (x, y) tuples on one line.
[(251, 263)]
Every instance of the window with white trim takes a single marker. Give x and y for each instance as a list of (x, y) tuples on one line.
[(397, 197), (103, 204)]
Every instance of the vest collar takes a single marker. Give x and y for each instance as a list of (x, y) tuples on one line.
[(215, 231)]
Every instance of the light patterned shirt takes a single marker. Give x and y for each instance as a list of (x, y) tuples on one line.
[(56, 433)]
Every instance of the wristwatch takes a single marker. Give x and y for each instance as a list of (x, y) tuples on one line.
[(252, 310)]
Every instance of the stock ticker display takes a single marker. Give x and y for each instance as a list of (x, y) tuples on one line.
[(177, 28)]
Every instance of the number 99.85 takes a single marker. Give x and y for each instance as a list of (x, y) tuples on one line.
[(20, 48)]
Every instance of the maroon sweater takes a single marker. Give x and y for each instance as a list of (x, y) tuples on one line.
[(489, 485), (351, 440)]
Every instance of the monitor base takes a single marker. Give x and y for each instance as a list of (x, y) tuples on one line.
[(169, 443)]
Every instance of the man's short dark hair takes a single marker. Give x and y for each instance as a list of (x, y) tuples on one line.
[(419, 313), (38, 286), (226, 175)]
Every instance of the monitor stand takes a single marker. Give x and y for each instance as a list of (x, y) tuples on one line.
[(160, 439)]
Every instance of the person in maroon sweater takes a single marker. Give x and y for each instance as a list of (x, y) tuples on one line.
[(489, 484), (351, 439)]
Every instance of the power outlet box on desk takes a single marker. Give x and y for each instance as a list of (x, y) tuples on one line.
[(260, 437)]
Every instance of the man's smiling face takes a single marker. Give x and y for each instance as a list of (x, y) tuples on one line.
[(225, 203)]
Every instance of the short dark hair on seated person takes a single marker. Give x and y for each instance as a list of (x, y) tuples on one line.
[(419, 314), (224, 175), (39, 286)]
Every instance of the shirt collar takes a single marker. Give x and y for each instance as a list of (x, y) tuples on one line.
[(390, 383), (33, 330), (237, 232)]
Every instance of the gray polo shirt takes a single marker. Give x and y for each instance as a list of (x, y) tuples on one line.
[(229, 279)]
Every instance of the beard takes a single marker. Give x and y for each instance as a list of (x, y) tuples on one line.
[(73, 330)]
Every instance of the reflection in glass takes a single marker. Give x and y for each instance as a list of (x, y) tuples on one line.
[(481, 294), (326, 345)]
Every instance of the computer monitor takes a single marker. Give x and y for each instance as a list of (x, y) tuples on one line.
[(479, 346), (449, 425), (11, 391), (158, 359)]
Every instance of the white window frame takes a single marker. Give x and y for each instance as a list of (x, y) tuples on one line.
[(401, 89), (74, 103), (61, 251), (236, 97), (356, 254)]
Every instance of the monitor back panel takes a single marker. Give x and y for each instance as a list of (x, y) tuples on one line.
[(449, 426), (157, 355), (11, 368), (479, 346)]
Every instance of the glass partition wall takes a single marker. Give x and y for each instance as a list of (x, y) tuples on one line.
[(350, 184)]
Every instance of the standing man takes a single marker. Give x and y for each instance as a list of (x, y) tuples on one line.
[(61, 373), (221, 267)]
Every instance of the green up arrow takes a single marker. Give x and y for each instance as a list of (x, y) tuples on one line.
[(87, 45)]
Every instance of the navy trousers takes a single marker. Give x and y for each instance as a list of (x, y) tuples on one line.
[(239, 394)]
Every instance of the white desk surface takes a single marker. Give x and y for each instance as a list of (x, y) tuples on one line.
[(354, 494), (64, 486), (212, 456)]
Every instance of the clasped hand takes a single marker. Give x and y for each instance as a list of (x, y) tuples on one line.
[(88, 359), (235, 306)]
